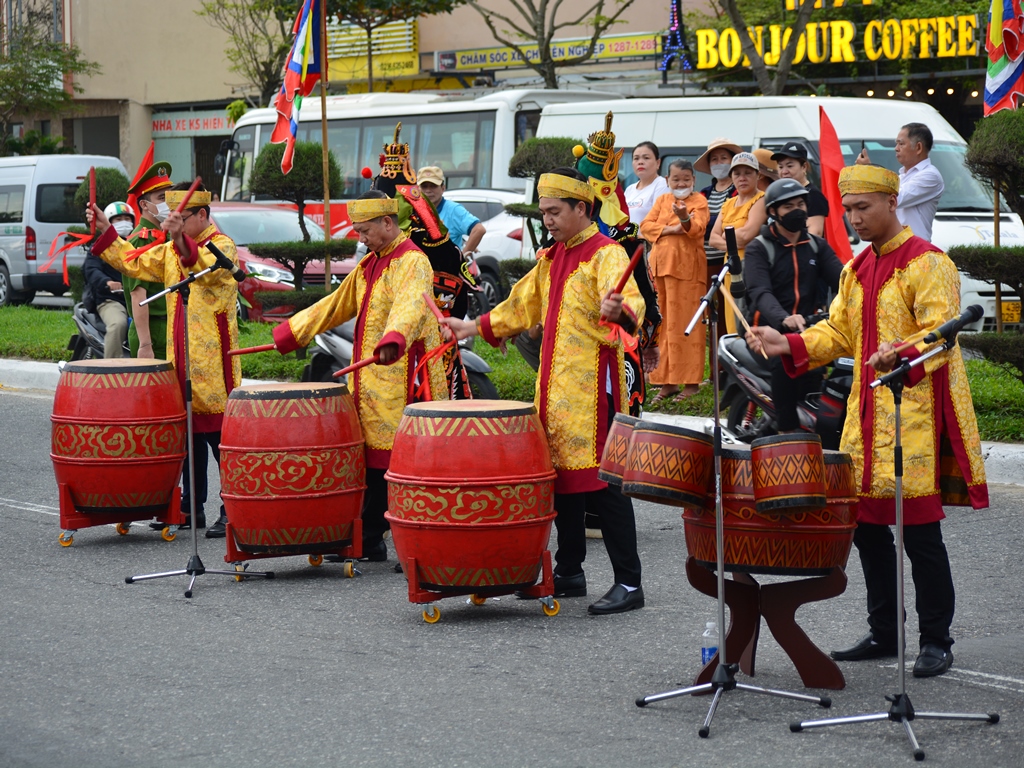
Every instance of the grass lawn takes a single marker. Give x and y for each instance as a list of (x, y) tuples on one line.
[(42, 334)]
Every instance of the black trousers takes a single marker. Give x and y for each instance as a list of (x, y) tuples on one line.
[(375, 504), (203, 443), (933, 581), (787, 392), (618, 529)]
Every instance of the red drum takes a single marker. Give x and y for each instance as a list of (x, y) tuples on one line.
[(292, 471), (669, 465), (470, 497), (788, 472), (118, 442), (785, 542), (616, 449)]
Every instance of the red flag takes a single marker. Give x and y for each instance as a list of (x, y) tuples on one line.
[(133, 200), (831, 164)]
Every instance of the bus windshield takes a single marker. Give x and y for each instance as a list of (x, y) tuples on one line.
[(460, 143)]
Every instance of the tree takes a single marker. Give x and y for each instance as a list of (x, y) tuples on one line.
[(35, 71), (537, 22), (261, 37), (34, 143), (369, 15), (994, 155), (111, 187), (304, 182)]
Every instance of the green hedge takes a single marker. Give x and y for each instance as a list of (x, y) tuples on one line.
[(512, 271), (298, 299), (311, 251), (111, 187), (991, 264), (536, 156), (525, 210)]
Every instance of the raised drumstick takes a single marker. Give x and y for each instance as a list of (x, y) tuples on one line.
[(732, 305), (250, 350)]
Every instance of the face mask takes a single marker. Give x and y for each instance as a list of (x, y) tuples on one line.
[(123, 228), (794, 221), (682, 194), (720, 171), (162, 209)]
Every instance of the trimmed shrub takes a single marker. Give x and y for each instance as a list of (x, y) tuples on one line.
[(111, 187), (77, 279), (304, 182), (298, 299), (525, 210), (536, 156), (995, 155), (991, 264), (512, 271)]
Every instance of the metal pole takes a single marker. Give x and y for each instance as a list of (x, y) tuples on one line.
[(995, 242), (324, 67)]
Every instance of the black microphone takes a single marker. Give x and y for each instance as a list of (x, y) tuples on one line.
[(225, 263), (737, 287), (951, 328)]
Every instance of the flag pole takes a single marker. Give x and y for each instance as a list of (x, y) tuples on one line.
[(324, 67), (995, 242)]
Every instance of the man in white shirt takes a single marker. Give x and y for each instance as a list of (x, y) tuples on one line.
[(921, 183)]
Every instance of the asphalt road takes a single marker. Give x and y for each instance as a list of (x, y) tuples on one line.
[(315, 668)]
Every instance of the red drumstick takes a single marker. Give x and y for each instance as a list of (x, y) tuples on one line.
[(92, 198), (185, 199), (433, 306), (250, 350), (629, 270), (356, 366)]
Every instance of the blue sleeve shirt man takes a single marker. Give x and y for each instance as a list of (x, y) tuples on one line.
[(459, 221)]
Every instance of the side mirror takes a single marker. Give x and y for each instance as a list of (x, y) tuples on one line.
[(219, 164)]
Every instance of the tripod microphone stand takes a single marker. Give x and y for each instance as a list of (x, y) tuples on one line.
[(901, 711), (724, 678), (195, 567)]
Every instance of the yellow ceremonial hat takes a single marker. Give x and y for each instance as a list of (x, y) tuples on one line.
[(198, 200), (558, 186), (367, 209), (864, 179)]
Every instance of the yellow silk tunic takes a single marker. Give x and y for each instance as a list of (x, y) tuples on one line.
[(212, 322), (906, 289), (386, 292), (564, 292)]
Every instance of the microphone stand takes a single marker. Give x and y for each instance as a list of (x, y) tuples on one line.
[(901, 711), (195, 567), (724, 677)]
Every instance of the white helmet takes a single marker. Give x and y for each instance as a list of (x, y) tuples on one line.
[(119, 209)]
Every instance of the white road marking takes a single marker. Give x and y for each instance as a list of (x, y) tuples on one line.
[(984, 679), (28, 506)]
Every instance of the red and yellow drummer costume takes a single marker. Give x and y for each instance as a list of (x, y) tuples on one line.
[(580, 383), (385, 295)]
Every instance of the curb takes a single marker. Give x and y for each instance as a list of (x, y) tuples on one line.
[(1002, 460)]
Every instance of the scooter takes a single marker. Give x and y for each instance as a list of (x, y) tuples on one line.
[(747, 393), (87, 344), (334, 352)]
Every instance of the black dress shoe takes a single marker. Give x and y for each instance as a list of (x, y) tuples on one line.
[(375, 553), (218, 529), (865, 648), (571, 586), (618, 600), (934, 660)]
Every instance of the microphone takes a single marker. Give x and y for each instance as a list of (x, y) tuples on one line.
[(225, 263), (951, 328), (736, 286)]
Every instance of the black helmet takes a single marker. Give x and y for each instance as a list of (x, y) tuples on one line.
[(782, 190)]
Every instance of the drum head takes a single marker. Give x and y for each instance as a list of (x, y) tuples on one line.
[(475, 409), (288, 391), (669, 429), (119, 365)]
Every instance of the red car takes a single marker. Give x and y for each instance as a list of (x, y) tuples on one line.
[(254, 223)]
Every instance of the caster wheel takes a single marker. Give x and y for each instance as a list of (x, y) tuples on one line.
[(349, 570), (551, 610), (168, 535), (66, 539), (316, 560), (239, 572), (477, 599), (432, 615), (122, 528)]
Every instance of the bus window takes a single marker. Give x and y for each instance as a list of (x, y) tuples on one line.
[(527, 121), (461, 145), (343, 139), (236, 185)]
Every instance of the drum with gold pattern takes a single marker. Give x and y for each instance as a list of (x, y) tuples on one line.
[(669, 465), (292, 468), (788, 472), (471, 495), (616, 449), (118, 440)]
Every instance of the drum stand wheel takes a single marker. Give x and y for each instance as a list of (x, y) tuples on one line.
[(477, 599), (123, 528), (316, 560), (67, 538), (431, 614), (550, 606)]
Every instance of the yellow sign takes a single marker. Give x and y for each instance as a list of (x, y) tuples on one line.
[(351, 68), (608, 47), (834, 41)]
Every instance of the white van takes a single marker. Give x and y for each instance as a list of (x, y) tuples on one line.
[(37, 195), (683, 127)]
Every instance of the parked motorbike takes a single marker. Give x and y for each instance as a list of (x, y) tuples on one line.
[(87, 344), (747, 393)]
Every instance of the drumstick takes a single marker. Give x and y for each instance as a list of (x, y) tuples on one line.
[(356, 366), (908, 344), (732, 305), (92, 199), (446, 332), (621, 285), (250, 350)]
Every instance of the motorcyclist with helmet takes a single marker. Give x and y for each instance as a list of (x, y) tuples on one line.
[(783, 269), (105, 285)]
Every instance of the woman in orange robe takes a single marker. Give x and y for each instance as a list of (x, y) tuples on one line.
[(675, 229)]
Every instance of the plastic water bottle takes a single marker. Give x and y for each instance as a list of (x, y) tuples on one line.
[(709, 642)]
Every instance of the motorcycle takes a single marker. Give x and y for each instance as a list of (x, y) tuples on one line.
[(334, 352), (87, 344), (747, 393)]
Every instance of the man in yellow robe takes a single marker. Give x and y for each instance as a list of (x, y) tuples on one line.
[(899, 288), (581, 383), (385, 295), (212, 323)]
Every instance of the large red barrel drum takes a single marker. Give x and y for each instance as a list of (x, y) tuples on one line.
[(118, 440), (805, 542), (293, 469), (616, 449), (470, 496)]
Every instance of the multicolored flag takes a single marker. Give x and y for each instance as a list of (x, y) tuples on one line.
[(831, 164), (1004, 43), (301, 73)]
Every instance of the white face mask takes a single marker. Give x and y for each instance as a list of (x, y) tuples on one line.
[(123, 228), (682, 194), (157, 211), (720, 170)]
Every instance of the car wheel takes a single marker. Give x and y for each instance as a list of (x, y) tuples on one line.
[(5, 286), (491, 287), (479, 304), (242, 310), (481, 386)]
